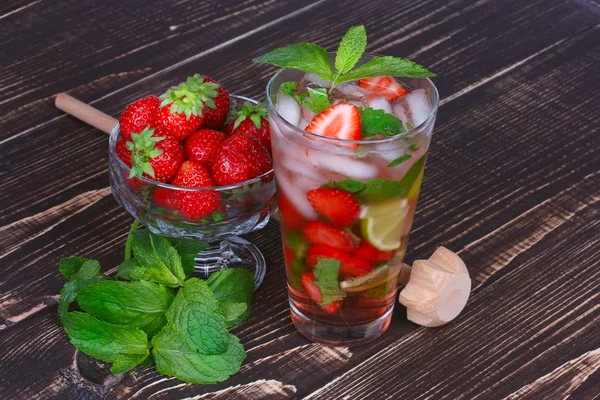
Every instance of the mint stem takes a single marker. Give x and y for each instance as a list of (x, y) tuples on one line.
[(129, 242)]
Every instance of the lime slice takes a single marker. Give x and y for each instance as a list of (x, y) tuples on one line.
[(382, 222), (374, 278), (414, 190)]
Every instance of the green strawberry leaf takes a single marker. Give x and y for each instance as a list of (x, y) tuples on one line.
[(351, 49), (326, 278), (305, 57), (123, 345), (75, 268), (386, 66), (158, 260), (376, 122), (233, 285), (173, 357), (399, 160), (195, 314), (135, 304)]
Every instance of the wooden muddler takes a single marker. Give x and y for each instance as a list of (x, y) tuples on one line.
[(437, 289), (85, 112)]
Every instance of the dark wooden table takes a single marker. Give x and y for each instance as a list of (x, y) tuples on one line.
[(512, 184)]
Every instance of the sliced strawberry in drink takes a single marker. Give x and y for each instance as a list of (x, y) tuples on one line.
[(291, 217), (307, 280), (308, 284), (337, 205), (385, 86), (349, 264), (341, 121), (368, 252), (319, 232), (289, 255)]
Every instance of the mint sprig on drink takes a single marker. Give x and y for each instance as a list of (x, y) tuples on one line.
[(309, 57), (153, 312)]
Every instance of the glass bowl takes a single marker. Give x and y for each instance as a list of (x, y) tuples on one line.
[(244, 207)]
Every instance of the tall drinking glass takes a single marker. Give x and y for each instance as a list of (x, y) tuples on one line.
[(384, 176)]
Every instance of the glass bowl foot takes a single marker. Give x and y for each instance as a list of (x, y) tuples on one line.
[(233, 252)]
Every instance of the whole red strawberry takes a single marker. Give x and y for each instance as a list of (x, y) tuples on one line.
[(253, 121), (194, 204), (138, 115), (202, 146), (240, 158), (217, 107), (123, 152), (154, 157)]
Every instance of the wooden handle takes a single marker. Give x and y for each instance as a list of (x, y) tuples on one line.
[(85, 112), (437, 290)]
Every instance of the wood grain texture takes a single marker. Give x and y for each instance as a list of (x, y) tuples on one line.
[(512, 184)]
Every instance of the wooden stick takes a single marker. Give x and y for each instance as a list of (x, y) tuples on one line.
[(85, 112)]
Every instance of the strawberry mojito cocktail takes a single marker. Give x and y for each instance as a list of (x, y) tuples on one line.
[(350, 133)]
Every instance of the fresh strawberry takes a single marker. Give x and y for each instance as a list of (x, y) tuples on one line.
[(252, 120), (217, 105), (161, 198), (337, 205), (154, 157), (203, 145), (138, 115), (184, 107), (123, 152), (368, 252), (341, 121), (194, 204), (319, 232), (291, 217), (240, 158), (385, 86), (349, 264), (307, 280)]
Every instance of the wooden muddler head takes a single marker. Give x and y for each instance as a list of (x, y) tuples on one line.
[(437, 290), (85, 112)]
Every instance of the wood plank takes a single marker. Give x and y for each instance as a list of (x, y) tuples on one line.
[(55, 148), (516, 213)]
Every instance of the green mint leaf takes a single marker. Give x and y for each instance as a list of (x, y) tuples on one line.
[(125, 268), (289, 88), (350, 185), (399, 160), (135, 304), (351, 49), (307, 57), (232, 311), (159, 261), (386, 66), (123, 345), (326, 278), (195, 314), (69, 293), (187, 249), (233, 285), (148, 362), (173, 357), (319, 100), (382, 189), (376, 122), (297, 243), (79, 268), (413, 147), (216, 216)]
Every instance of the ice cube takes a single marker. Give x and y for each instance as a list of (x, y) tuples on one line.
[(305, 118), (300, 168), (295, 193), (346, 166), (317, 80), (288, 108), (399, 111), (416, 107), (380, 103)]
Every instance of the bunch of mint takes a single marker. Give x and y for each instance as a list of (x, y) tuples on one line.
[(152, 312), (310, 57)]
